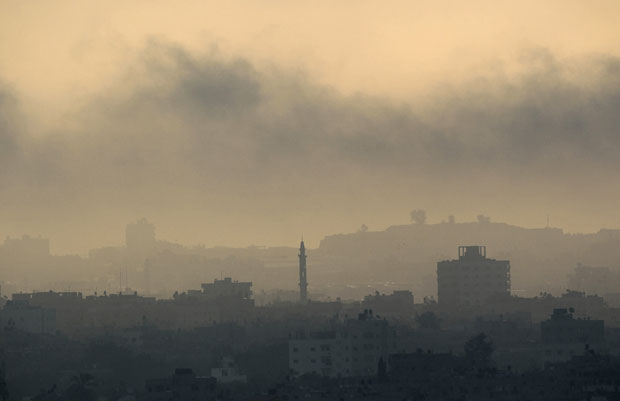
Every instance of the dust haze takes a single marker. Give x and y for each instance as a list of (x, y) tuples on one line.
[(276, 200), (218, 151)]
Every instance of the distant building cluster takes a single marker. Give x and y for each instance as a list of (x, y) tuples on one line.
[(477, 339)]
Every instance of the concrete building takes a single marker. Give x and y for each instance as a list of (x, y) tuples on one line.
[(19, 315), (352, 349), (562, 328), (563, 336), (399, 303), (227, 288), (472, 279)]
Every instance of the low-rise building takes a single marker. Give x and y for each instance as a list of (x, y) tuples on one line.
[(353, 348), (562, 328), (399, 303), (563, 336), (20, 315), (227, 288)]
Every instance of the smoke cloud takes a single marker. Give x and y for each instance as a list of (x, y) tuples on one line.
[(220, 137)]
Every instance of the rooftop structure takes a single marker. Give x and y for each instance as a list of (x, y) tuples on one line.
[(400, 302), (227, 288), (562, 327)]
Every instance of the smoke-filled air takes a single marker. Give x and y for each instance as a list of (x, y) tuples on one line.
[(408, 200)]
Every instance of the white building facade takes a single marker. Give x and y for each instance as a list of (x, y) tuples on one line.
[(352, 349)]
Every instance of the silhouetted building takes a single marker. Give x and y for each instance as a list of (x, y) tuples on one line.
[(24, 250), (227, 288), (562, 327), (472, 278), (303, 280), (400, 303), (563, 336), (27, 245)]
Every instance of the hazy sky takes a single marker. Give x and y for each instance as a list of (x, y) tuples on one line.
[(237, 123)]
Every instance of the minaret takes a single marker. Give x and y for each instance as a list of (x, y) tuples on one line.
[(303, 282)]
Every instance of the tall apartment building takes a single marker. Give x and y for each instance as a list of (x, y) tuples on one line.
[(472, 278)]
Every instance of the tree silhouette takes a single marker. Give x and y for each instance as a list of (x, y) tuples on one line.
[(418, 216)]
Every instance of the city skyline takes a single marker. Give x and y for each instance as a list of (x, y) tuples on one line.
[(322, 201)]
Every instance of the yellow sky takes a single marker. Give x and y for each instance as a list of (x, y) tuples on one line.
[(51, 49), (56, 56)]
